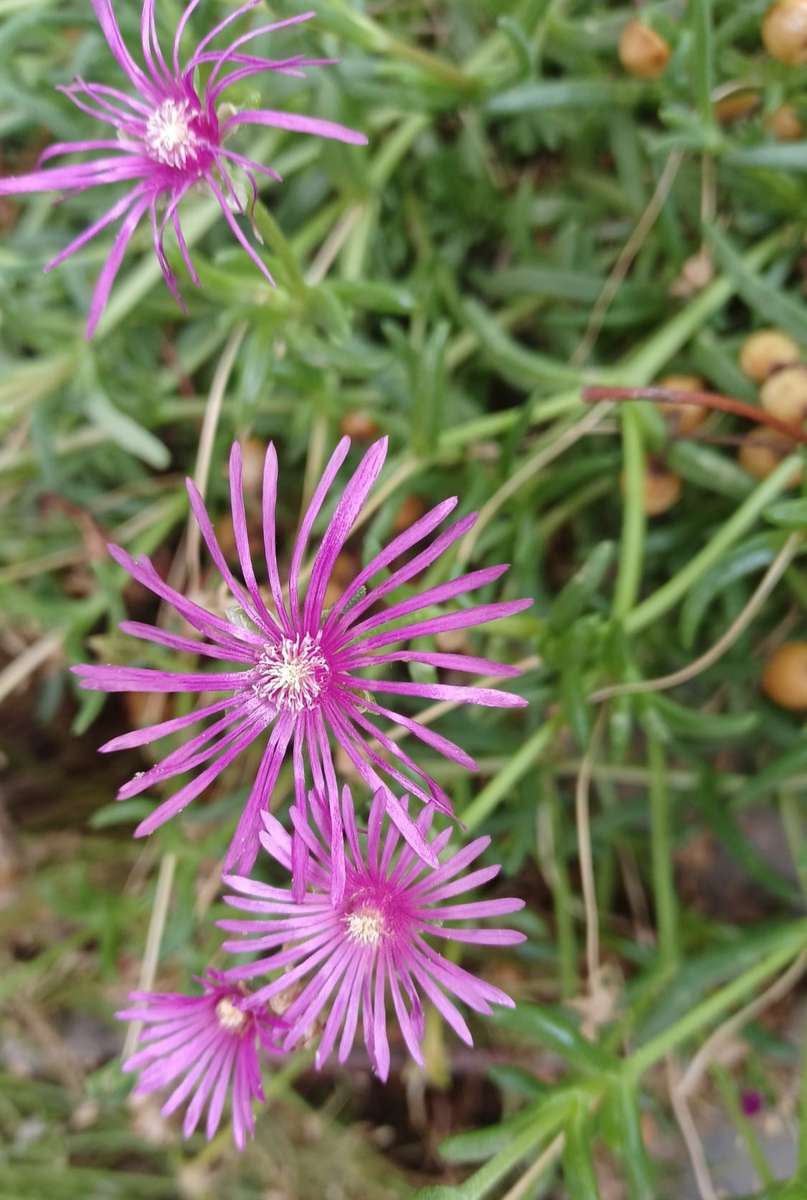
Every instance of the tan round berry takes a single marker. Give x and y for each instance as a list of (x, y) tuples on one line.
[(765, 351), (784, 394), (411, 509), (784, 32), (762, 450), (642, 51), (662, 489), (359, 425), (785, 124), (736, 106), (784, 679), (682, 418)]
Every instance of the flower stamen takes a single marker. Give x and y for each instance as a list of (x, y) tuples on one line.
[(366, 925), (169, 137), (229, 1017), (291, 673)]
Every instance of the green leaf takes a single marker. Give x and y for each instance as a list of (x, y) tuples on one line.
[(770, 303), (578, 1164), (120, 812), (790, 514), (701, 726), (555, 1031), (565, 93), (126, 432)]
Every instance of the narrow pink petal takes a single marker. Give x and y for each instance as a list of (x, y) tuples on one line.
[(180, 29), (111, 31), (415, 566), (243, 849), (409, 830), (399, 545), (242, 539), (112, 214), (170, 808), (436, 741), (152, 733), (144, 679), (296, 123), (312, 512), (235, 227), (339, 528), (211, 541), (465, 618), (380, 1041), (486, 697), (161, 637), (436, 595), (111, 267), (269, 504), (241, 11), (448, 662)]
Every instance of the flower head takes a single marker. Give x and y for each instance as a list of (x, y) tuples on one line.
[(208, 1045), (373, 945), (298, 677), (168, 137)]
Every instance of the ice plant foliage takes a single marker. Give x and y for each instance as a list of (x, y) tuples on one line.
[(297, 677), (168, 136), (208, 1045), (375, 944)]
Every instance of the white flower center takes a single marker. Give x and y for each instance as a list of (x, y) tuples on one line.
[(366, 925), (169, 137), (291, 673), (229, 1017)]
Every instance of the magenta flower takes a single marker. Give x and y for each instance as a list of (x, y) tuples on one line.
[(208, 1045), (298, 679), (375, 942), (168, 137)]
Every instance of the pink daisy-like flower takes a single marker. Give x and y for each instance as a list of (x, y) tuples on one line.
[(208, 1045), (375, 942), (169, 137), (299, 677)]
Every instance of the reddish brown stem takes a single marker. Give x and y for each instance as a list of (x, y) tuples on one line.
[(593, 395)]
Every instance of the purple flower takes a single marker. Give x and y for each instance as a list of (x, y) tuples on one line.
[(208, 1045), (299, 675), (168, 137), (374, 943)]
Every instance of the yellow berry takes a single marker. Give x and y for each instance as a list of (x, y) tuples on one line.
[(642, 51), (736, 106), (359, 425), (765, 351), (784, 32), (784, 679), (762, 450), (785, 123), (662, 489), (784, 394), (683, 418)]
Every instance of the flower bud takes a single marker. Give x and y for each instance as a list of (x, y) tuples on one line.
[(662, 489), (784, 32), (765, 351), (784, 679), (642, 51), (682, 418), (785, 124), (762, 450), (784, 394)]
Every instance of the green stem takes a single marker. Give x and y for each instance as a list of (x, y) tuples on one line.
[(562, 896), (508, 777), (662, 856), (743, 518), (633, 519), (712, 1009)]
